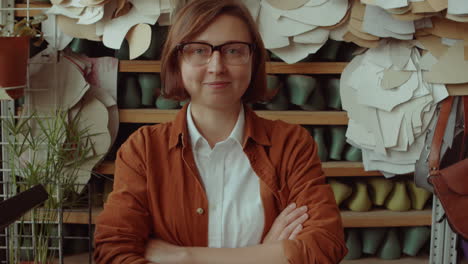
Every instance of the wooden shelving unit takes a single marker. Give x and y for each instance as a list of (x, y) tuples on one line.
[(275, 68), (81, 217), (83, 258), (387, 218), (331, 169), (375, 218), (306, 68), (271, 67), (35, 9), (346, 169), (294, 117)]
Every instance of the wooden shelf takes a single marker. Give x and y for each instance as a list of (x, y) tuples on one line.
[(346, 169), (375, 218), (421, 259), (139, 66), (83, 258), (331, 169), (74, 216), (34, 9), (294, 117), (457, 89), (271, 67), (387, 218), (106, 167), (80, 217), (306, 67)]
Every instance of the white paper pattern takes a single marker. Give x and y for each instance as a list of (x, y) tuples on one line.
[(379, 22), (388, 125), (457, 7)]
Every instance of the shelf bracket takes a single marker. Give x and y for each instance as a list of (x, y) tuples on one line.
[(443, 239)]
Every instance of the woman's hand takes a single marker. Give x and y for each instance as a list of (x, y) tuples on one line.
[(161, 252), (288, 224)]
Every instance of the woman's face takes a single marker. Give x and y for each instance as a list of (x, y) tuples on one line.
[(216, 84)]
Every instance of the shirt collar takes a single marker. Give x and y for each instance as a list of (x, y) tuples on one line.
[(237, 132), (192, 129), (253, 128)]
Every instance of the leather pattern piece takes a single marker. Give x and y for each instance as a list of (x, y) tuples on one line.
[(434, 156), (454, 204), (456, 177), (451, 183)]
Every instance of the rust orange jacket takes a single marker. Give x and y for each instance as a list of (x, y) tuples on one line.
[(158, 192)]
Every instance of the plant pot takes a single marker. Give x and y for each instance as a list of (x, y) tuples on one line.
[(14, 55)]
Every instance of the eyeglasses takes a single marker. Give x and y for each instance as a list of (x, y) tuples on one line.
[(232, 53)]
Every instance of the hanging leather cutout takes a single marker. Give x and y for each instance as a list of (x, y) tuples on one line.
[(451, 183)]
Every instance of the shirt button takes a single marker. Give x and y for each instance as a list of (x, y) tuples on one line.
[(200, 211)]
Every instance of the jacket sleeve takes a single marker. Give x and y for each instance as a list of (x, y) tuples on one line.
[(322, 238), (123, 228)]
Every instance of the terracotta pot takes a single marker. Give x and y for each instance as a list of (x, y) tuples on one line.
[(14, 55)]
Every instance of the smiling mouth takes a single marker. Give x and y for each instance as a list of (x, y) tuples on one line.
[(218, 85)]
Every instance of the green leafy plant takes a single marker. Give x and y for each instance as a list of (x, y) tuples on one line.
[(48, 151), (25, 28)]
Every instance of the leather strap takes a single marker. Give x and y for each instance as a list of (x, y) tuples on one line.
[(434, 156), (14, 208)]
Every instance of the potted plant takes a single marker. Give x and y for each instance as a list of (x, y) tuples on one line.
[(14, 55), (48, 151)]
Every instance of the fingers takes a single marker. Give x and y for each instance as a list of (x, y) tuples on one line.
[(294, 215), (289, 229), (297, 217), (288, 223), (299, 220), (296, 231), (287, 210), (281, 221)]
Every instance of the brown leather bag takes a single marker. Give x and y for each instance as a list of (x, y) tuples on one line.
[(451, 183)]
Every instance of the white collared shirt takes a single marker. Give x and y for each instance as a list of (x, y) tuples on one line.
[(236, 217)]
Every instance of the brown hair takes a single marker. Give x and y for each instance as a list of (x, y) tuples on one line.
[(190, 21)]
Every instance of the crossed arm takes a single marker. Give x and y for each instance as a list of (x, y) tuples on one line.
[(286, 226), (320, 241)]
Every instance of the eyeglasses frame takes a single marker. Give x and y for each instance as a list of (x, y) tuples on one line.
[(214, 48)]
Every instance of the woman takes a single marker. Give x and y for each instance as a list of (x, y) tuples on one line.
[(218, 184)]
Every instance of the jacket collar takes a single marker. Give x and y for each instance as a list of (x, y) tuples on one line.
[(254, 128)]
